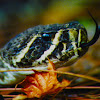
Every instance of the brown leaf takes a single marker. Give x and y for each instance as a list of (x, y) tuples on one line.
[(43, 83)]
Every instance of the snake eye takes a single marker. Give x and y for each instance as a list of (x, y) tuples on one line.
[(46, 37)]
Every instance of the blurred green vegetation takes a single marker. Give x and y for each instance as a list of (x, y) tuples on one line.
[(18, 15)]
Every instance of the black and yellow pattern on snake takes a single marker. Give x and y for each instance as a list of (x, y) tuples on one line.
[(61, 43)]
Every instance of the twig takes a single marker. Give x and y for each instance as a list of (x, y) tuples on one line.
[(10, 89), (83, 87), (9, 95), (75, 87), (67, 73)]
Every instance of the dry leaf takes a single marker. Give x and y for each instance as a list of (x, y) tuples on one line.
[(43, 83)]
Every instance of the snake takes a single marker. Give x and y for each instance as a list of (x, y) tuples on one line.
[(61, 43)]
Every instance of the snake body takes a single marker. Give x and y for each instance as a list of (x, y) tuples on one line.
[(61, 43)]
